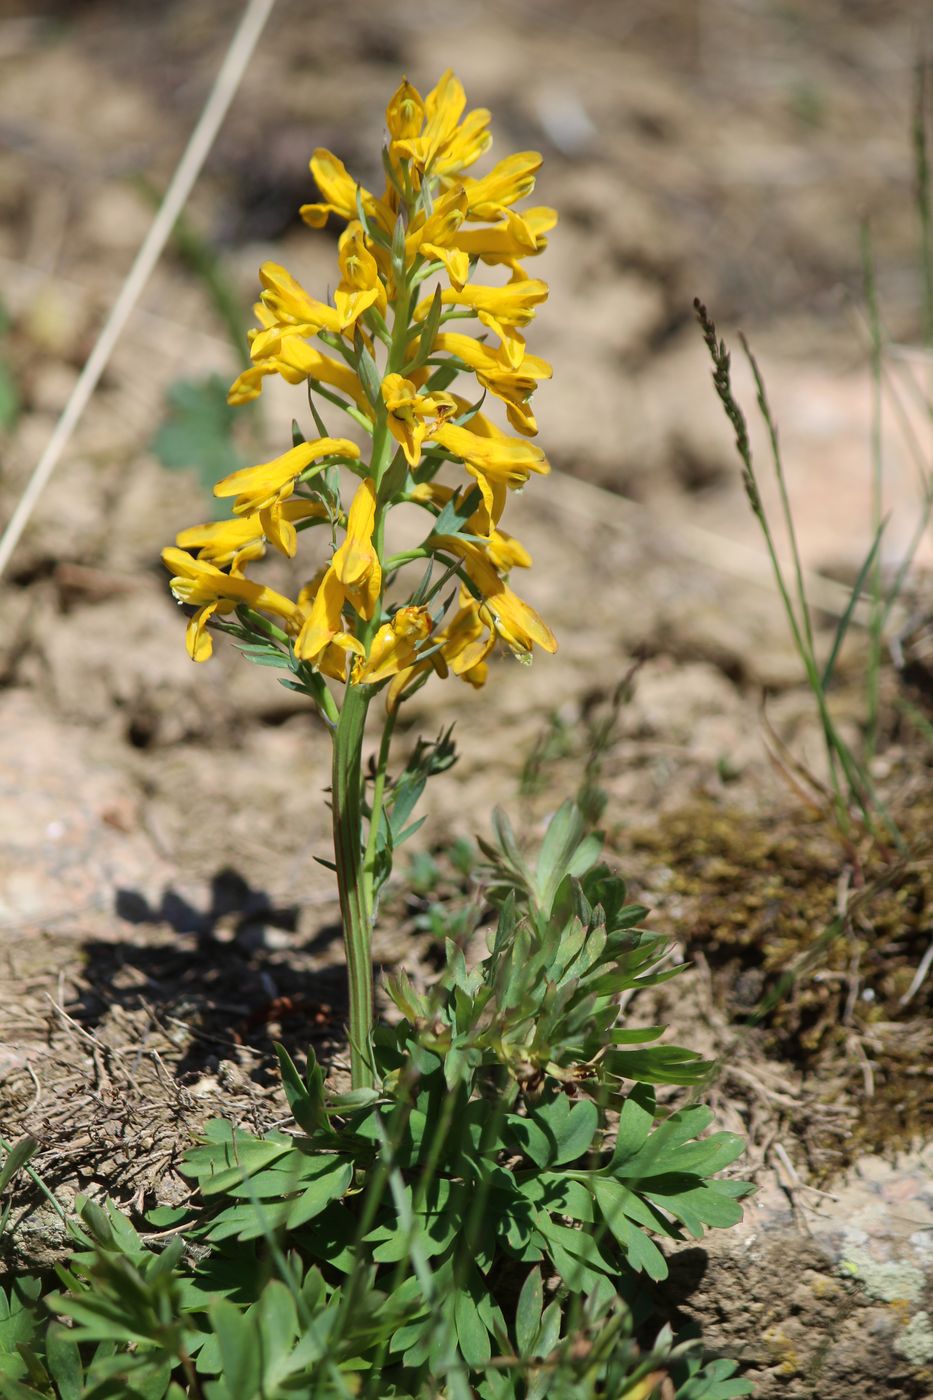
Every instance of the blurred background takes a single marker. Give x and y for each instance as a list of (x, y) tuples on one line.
[(728, 149)]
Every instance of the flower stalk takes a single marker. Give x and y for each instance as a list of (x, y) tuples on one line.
[(353, 889), (409, 262)]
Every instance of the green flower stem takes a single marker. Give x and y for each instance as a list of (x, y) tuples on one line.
[(355, 865), (355, 907)]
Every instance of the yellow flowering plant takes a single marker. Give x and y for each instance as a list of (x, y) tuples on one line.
[(486, 1210), (437, 246)]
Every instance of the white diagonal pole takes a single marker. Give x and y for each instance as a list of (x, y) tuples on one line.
[(189, 167)]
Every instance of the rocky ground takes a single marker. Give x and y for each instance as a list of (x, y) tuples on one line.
[(162, 920)]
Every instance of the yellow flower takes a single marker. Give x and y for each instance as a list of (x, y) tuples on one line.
[(354, 575), (468, 641), (295, 360), (405, 112), (360, 287), (515, 621), (408, 412), (463, 645), (504, 550), (356, 562), (503, 244), (506, 183), (443, 146), (494, 372), (223, 541), (291, 309), (492, 458), (321, 638), (434, 235), (340, 191), (499, 308), (198, 582), (394, 647), (257, 488)]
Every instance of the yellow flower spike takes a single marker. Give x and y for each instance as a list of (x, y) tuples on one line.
[(408, 412), (339, 190), (405, 112), (356, 562), (257, 488), (394, 647)]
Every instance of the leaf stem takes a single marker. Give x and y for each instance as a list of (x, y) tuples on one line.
[(355, 907)]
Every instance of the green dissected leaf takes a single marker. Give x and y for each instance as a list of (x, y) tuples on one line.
[(18, 1321), (527, 1137), (241, 1356), (472, 1336), (438, 1218), (305, 1096), (575, 1254), (322, 1180), (638, 1035), (63, 1360), (198, 431), (663, 1064), (635, 1123), (528, 1313), (559, 1194), (641, 1252), (549, 1333), (329, 1185), (709, 1380), (568, 1131), (565, 850), (654, 1152), (697, 1204), (222, 1162), (277, 1323)]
